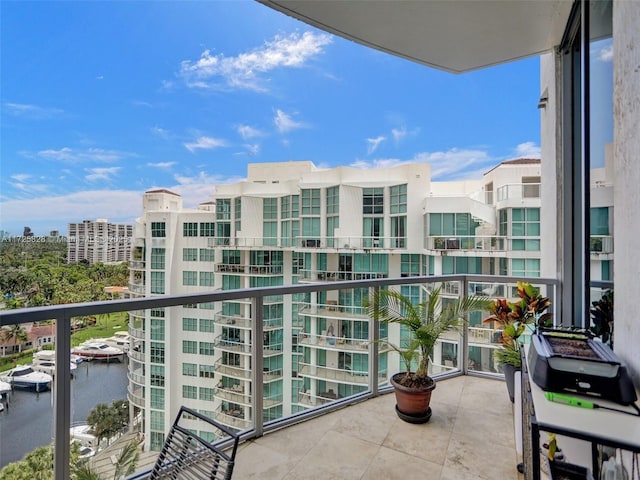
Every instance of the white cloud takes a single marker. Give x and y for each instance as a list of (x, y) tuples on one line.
[(34, 112), (100, 173), (199, 188), (399, 133), (528, 150), (374, 143), (251, 150), (247, 132), (141, 103), (67, 154), (606, 54), (246, 69), (21, 177), (161, 164), (205, 143), (45, 213), (453, 164), (284, 123)]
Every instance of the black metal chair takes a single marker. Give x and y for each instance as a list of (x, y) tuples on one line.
[(187, 456)]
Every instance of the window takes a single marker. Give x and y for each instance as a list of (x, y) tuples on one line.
[(157, 375), (373, 201), (157, 420), (206, 371), (207, 325), (189, 254), (157, 282), (206, 348), (157, 312), (157, 352), (223, 209), (599, 221), (409, 265), (270, 233), (237, 213), (189, 278), (207, 394), (158, 230), (333, 200), (190, 229), (399, 231), (157, 329), (525, 267), (207, 255), (189, 391), (372, 231), (189, 346), (189, 369), (189, 324), (270, 208), (157, 258), (207, 229), (157, 398), (398, 199), (230, 282), (310, 201), (207, 279)]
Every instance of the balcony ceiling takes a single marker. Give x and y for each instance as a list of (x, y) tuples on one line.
[(454, 35)]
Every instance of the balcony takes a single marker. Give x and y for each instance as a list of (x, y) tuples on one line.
[(369, 380)]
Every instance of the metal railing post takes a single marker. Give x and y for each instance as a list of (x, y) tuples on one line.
[(257, 358), (374, 349), (464, 351), (62, 399)]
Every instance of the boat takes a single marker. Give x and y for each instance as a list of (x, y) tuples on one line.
[(4, 388), (98, 351), (45, 361), (25, 377), (119, 340), (82, 434)]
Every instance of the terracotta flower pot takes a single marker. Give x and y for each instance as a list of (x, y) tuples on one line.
[(412, 404)]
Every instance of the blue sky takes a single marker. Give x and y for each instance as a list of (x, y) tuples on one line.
[(101, 101)]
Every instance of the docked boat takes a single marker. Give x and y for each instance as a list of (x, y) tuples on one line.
[(45, 361), (99, 351), (119, 340), (4, 388), (83, 435), (25, 377)]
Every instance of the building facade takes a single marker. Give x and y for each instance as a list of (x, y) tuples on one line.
[(99, 241), (291, 223)]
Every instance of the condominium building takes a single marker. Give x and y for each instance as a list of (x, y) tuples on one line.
[(99, 241), (291, 223)]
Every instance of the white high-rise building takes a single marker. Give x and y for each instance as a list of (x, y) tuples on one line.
[(99, 241), (291, 223)]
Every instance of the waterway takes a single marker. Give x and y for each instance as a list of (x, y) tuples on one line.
[(28, 422)]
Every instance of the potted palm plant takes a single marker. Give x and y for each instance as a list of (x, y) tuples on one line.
[(513, 319), (425, 321)]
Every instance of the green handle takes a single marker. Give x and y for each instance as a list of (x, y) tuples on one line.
[(568, 400)]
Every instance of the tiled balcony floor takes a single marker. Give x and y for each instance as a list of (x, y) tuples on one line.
[(469, 437)]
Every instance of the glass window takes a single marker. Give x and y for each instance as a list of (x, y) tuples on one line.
[(270, 208), (190, 229), (398, 199), (157, 329), (207, 279), (207, 371), (189, 346), (207, 229), (190, 369), (157, 398), (189, 254), (399, 231), (372, 201), (189, 277), (157, 375), (310, 201), (189, 391), (207, 255), (207, 325), (157, 352), (223, 209), (409, 265), (207, 394), (157, 258), (206, 348), (599, 221), (189, 324), (157, 282), (525, 267), (333, 200), (158, 229)]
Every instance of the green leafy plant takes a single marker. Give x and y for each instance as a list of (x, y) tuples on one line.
[(426, 321), (513, 317), (602, 318)]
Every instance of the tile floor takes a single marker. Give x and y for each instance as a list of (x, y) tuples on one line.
[(469, 437)]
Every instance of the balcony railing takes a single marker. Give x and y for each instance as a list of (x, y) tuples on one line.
[(518, 190), (371, 378)]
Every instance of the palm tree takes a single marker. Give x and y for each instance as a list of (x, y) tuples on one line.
[(17, 333)]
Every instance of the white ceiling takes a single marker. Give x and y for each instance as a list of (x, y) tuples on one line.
[(451, 35)]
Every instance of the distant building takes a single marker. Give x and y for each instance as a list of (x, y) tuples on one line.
[(99, 241)]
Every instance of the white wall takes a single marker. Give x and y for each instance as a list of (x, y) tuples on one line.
[(626, 108)]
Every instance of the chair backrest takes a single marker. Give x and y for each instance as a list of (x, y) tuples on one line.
[(185, 455)]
